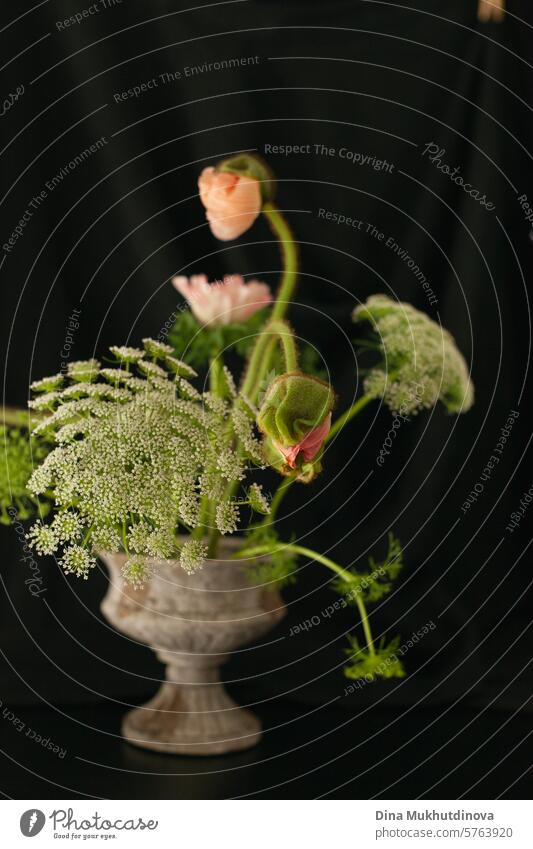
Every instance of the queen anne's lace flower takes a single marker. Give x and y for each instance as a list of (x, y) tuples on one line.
[(137, 571), (83, 370), (136, 448), (211, 485), (160, 543), (47, 384), (151, 369), (227, 517), (78, 561), (189, 508), (421, 362), (127, 355), (137, 537), (179, 367), (42, 538), (105, 538), (187, 389), (244, 428), (192, 555), (67, 526), (44, 402), (230, 465), (154, 348), (258, 500), (115, 375)]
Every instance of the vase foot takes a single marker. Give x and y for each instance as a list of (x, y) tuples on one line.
[(186, 721)]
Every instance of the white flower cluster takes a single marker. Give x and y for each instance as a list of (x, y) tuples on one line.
[(421, 363), (137, 450)]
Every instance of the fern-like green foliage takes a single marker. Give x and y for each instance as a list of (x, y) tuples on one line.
[(279, 569), (369, 586), (376, 581), (18, 457), (197, 344), (383, 662)]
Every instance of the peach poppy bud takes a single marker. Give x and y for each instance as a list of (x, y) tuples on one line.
[(233, 194)]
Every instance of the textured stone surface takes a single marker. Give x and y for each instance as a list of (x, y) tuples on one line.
[(192, 622)]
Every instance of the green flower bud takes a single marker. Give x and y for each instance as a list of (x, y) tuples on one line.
[(294, 405)]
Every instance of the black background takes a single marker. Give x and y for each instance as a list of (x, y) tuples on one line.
[(375, 77)]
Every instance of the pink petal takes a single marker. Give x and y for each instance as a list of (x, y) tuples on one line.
[(309, 446), (225, 301)]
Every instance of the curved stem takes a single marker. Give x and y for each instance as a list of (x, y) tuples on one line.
[(261, 357), (274, 330), (286, 338), (289, 255), (326, 561)]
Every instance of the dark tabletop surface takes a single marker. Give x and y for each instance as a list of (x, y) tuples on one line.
[(305, 753)]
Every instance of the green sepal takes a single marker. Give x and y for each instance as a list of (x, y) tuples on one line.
[(294, 405), (251, 165)]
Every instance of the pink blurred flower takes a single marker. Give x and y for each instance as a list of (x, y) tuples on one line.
[(232, 202), (308, 447), (222, 302)]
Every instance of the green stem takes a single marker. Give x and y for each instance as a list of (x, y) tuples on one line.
[(215, 377), (365, 623), (285, 336), (261, 357), (87, 535), (274, 330), (212, 543), (215, 374), (289, 255), (320, 558), (348, 415), (261, 354), (124, 539), (278, 497)]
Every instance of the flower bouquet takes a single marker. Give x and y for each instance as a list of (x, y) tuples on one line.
[(138, 466)]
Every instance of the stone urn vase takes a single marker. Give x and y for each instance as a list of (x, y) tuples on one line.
[(192, 623)]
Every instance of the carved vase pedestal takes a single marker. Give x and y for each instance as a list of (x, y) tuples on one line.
[(193, 623)]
